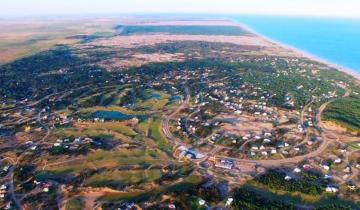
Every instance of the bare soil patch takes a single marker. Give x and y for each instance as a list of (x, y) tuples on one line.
[(142, 59), (247, 124)]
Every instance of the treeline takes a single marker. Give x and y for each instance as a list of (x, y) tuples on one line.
[(276, 180), (48, 72), (249, 200), (182, 29), (345, 111)]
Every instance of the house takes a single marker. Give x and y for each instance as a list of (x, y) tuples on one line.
[(285, 152), (327, 176), (326, 167), (267, 141), (229, 201), (347, 170), (307, 167), (337, 160), (331, 189), (297, 170), (254, 148), (225, 163), (352, 187), (267, 134), (202, 202), (57, 144), (189, 153)]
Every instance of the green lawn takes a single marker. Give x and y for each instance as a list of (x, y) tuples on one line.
[(158, 136), (74, 204), (104, 159), (87, 111), (188, 183), (355, 145), (154, 103), (112, 126), (109, 178), (144, 126)]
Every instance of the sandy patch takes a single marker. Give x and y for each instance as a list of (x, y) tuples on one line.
[(142, 59), (152, 39), (246, 125)]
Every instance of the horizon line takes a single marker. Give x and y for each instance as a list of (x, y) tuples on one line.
[(204, 14)]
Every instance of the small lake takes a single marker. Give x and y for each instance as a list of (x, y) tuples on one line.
[(155, 95), (113, 115), (175, 98)]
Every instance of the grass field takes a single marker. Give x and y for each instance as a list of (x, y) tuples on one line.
[(116, 177), (74, 204), (145, 125), (355, 145), (345, 112), (157, 134), (112, 126), (105, 159), (74, 132), (155, 103), (188, 183), (110, 108), (178, 29)]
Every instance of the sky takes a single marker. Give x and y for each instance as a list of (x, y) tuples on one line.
[(332, 8)]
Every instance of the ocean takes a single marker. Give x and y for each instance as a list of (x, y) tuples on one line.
[(336, 40)]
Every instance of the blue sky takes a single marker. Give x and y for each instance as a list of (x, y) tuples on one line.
[(342, 8)]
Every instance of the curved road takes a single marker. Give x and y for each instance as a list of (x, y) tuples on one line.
[(268, 163), (167, 119)]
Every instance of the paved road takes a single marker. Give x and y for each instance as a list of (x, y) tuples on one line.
[(167, 119)]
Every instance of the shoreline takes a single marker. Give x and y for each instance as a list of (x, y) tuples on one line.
[(303, 53)]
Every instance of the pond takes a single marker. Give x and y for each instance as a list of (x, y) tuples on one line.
[(111, 115), (155, 95), (175, 98)]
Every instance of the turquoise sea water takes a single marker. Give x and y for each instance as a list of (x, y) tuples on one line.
[(335, 40)]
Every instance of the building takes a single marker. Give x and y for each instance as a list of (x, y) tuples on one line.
[(225, 163)]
